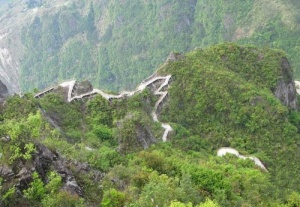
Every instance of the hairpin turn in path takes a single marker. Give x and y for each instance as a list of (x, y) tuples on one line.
[(160, 91)]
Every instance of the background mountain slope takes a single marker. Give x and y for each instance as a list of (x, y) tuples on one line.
[(117, 44)]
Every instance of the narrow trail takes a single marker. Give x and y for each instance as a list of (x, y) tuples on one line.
[(224, 150), (160, 91)]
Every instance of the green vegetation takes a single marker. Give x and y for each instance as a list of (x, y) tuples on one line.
[(115, 45), (219, 96), (224, 94)]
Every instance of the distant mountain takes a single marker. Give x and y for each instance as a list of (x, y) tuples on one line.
[(115, 44)]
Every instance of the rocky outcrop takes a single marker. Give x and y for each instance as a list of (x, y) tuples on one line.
[(172, 57), (285, 89), (42, 162), (3, 91), (68, 89), (134, 133), (144, 136), (6, 173), (82, 87)]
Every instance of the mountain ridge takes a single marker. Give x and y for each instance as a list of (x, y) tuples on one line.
[(104, 149), (71, 85)]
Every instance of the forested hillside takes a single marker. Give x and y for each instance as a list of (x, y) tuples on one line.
[(95, 149), (116, 44)]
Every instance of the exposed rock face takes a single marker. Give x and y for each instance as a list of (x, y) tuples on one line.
[(285, 90), (144, 136), (77, 89), (83, 87), (172, 57), (42, 162), (3, 91), (134, 134), (6, 173)]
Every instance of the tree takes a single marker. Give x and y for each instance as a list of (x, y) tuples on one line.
[(113, 198), (36, 192), (208, 203), (179, 204), (293, 200)]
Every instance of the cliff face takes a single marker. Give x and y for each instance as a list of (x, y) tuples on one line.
[(9, 63), (3, 91), (285, 90), (43, 161)]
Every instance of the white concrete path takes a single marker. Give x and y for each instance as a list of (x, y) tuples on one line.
[(224, 150), (144, 84), (297, 84)]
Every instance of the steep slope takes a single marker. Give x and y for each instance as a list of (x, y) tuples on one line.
[(225, 95), (157, 84), (117, 44), (72, 145)]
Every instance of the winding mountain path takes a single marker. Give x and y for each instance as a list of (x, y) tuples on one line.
[(224, 150), (161, 91)]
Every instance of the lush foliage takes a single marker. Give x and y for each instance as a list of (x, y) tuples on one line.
[(219, 96), (235, 105), (117, 44)]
